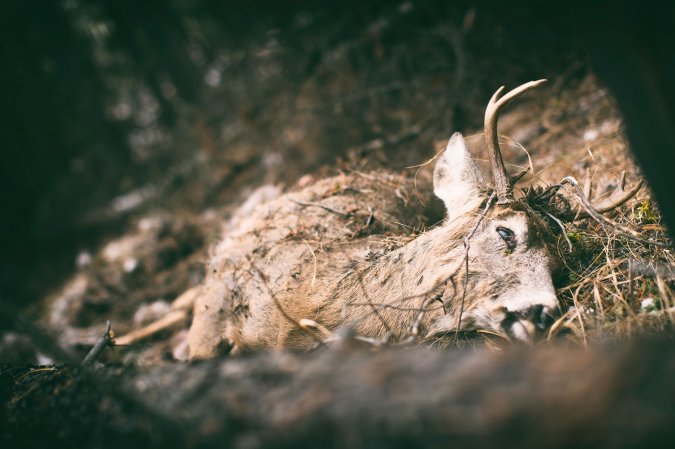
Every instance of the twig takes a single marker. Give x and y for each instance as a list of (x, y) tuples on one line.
[(604, 221), (415, 328), (373, 308), (394, 307), (466, 258), (326, 208), (283, 312), (104, 342), (562, 227)]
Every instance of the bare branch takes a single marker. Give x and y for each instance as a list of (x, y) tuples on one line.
[(104, 342), (326, 208), (632, 234), (466, 259)]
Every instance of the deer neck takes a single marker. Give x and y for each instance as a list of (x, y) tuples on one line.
[(384, 296)]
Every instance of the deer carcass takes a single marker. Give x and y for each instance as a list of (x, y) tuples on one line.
[(487, 266), (296, 268)]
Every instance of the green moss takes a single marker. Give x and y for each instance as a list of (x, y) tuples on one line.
[(645, 213), (575, 237)]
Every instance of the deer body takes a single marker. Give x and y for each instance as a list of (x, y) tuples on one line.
[(342, 253), (304, 256), (289, 255), (262, 283)]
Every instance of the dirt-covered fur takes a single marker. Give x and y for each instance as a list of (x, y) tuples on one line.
[(323, 254)]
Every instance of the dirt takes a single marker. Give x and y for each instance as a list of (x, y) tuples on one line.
[(606, 397)]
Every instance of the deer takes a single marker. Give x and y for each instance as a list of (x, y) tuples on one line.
[(291, 273)]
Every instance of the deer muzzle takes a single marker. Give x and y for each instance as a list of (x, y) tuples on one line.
[(530, 324)]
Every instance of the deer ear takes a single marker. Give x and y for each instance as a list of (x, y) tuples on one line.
[(457, 180)]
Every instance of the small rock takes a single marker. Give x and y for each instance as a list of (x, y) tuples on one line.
[(590, 134), (83, 259), (647, 304), (130, 265)]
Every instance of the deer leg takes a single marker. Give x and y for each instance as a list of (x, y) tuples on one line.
[(180, 311)]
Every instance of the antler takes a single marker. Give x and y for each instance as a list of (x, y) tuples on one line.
[(503, 185)]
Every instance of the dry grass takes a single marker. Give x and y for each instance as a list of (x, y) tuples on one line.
[(611, 285), (614, 286)]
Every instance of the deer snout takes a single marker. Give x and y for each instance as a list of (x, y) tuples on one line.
[(529, 324), (540, 316)]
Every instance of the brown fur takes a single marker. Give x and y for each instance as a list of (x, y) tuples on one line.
[(323, 254)]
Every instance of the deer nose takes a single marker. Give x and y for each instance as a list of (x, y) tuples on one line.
[(542, 317), (528, 324)]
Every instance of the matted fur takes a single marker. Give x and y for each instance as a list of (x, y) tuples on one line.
[(322, 254)]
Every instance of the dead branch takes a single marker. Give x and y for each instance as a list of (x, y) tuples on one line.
[(322, 206), (466, 257), (627, 232), (105, 341), (281, 309)]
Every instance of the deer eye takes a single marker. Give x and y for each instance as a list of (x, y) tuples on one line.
[(508, 236)]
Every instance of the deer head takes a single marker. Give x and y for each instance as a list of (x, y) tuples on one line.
[(489, 264), (505, 284)]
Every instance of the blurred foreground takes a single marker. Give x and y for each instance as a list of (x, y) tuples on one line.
[(618, 397)]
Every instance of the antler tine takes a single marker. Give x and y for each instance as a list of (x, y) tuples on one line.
[(503, 185), (616, 199)]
